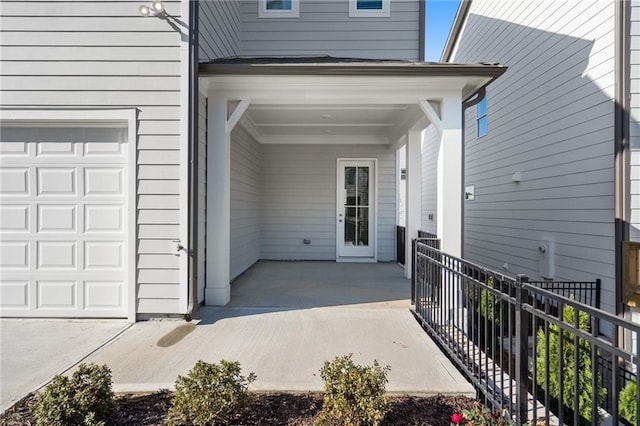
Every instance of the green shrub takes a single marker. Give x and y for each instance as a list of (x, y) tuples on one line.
[(584, 370), (210, 394), (84, 399), (354, 395), (627, 403), (480, 415)]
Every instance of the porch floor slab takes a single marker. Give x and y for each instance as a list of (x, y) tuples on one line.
[(287, 343)]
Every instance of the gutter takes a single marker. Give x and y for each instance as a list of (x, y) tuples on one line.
[(621, 141), (456, 29), (192, 146)]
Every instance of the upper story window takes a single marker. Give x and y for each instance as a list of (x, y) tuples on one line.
[(369, 8), (279, 8), (481, 117)]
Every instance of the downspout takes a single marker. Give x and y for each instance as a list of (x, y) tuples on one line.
[(192, 146), (474, 100), (621, 142)]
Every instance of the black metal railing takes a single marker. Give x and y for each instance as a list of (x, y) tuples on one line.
[(533, 350), (400, 244), (430, 240)]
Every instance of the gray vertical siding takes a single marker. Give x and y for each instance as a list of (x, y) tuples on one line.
[(219, 29), (89, 54), (299, 200), (430, 148), (325, 28), (245, 201), (550, 118)]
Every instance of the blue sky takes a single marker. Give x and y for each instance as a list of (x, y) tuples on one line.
[(440, 14)]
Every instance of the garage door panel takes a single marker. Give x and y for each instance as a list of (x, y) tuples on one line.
[(103, 181), (104, 295), (14, 181), (14, 294), (100, 255), (104, 142), (13, 149), (14, 218), (57, 218), (57, 255), (64, 219), (14, 255), (57, 181), (53, 294), (47, 149), (104, 218)]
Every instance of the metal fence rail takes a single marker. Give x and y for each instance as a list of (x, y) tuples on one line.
[(532, 350)]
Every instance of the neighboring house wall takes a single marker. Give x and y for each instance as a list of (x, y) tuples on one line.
[(219, 29), (245, 200), (550, 117), (87, 54), (325, 28), (299, 200), (634, 117), (430, 149)]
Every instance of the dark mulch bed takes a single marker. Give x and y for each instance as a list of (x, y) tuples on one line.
[(267, 409)]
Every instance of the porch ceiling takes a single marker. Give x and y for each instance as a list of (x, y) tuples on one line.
[(334, 100), (329, 123)]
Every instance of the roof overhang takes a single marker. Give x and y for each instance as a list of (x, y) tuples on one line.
[(472, 76), (333, 100)]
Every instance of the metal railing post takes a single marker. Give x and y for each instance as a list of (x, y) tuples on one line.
[(522, 352), (414, 268)]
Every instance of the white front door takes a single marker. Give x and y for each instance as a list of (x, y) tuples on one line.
[(356, 200)]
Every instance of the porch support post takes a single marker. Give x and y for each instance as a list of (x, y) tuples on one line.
[(218, 290), (450, 176), (412, 206)]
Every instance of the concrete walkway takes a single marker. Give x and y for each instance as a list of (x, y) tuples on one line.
[(32, 351), (287, 328), (284, 321)]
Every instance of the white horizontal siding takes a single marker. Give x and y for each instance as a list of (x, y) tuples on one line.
[(430, 150), (299, 200), (550, 117), (94, 54), (634, 122), (202, 196), (325, 28), (245, 201)]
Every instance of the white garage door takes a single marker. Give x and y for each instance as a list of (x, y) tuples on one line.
[(64, 220)]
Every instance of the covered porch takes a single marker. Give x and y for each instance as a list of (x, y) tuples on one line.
[(301, 160)]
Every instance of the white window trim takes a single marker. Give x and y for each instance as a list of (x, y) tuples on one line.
[(354, 12), (263, 12)]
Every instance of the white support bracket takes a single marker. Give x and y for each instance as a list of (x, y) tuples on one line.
[(431, 114), (237, 115)]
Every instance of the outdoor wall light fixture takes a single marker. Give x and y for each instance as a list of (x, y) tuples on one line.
[(156, 9)]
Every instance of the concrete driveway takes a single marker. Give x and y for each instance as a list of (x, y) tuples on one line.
[(32, 351)]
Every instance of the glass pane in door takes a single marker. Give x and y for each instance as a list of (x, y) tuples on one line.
[(356, 203), (350, 226), (363, 186), (363, 226)]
